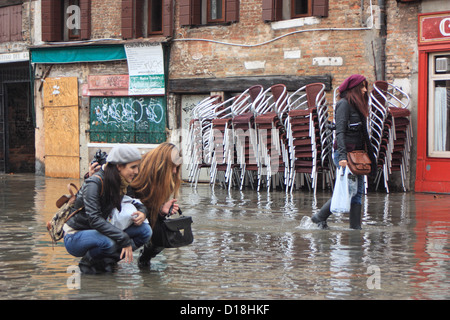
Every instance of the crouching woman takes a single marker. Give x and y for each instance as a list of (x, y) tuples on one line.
[(88, 233)]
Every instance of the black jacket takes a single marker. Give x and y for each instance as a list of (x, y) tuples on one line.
[(95, 211), (348, 139)]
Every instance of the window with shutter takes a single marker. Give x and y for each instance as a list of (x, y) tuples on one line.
[(216, 11), (51, 12), (276, 10), (67, 20), (155, 16), (144, 18), (300, 8), (201, 12), (11, 23)]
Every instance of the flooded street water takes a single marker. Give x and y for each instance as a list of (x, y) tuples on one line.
[(248, 245)]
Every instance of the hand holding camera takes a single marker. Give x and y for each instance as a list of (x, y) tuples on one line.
[(97, 162)]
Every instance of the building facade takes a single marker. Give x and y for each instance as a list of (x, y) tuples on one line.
[(91, 87)]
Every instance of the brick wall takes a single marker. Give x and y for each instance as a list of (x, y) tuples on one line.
[(346, 52), (291, 55), (105, 19), (401, 43)]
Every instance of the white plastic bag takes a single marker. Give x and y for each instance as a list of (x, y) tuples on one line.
[(344, 190), (352, 183), (124, 218)]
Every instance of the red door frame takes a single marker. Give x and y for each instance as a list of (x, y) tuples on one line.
[(432, 174)]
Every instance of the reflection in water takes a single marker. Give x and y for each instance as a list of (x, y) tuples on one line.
[(247, 245)]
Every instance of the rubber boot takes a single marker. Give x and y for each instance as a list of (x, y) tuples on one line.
[(109, 264), (321, 217), (88, 265), (148, 252), (355, 216)]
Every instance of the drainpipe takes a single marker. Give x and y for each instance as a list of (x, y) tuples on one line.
[(381, 54)]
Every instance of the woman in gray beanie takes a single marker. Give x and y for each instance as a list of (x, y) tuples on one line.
[(88, 234)]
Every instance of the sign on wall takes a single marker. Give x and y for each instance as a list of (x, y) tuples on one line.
[(434, 27), (146, 68), (128, 119)]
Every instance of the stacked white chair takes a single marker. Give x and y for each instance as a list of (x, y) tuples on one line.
[(199, 150), (397, 130), (221, 139), (244, 134), (272, 154), (303, 135)]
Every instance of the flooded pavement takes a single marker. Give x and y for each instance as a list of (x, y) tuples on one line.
[(247, 245)]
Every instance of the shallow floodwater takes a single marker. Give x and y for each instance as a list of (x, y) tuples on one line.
[(248, 245)]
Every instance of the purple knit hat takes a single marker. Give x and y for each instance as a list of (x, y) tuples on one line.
[(351, 82)]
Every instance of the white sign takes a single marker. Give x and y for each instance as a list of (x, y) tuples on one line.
[(145, 68), (14, 57)]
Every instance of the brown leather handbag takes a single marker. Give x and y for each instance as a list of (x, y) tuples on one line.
[(359, 162)]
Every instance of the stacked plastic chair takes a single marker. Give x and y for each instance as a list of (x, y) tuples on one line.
[(244, 134), (394, 154), (262, 138), (303, 135), (272, 153), (380, 132), (199, 149), (223, 155), (316, 97)]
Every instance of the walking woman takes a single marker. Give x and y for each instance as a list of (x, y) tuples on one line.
[(88, 233), (351, 115), (157, 186)]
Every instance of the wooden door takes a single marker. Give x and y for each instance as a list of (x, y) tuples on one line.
[(61, 125)]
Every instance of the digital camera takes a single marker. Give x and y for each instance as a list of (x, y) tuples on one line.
[(100, 157)]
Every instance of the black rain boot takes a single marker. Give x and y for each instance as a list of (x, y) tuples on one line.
[(355, 216), (321, 217), (109, 264), (88, 265), (148, 252)]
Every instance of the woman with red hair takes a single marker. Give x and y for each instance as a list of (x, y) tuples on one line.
[(157, 185)]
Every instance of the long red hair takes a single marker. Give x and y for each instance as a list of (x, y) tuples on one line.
[(357, 99), (159, 178)]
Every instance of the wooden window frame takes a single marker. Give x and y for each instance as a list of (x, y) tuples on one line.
[(53, 22), (130, 20), (149, 20), (307, 14), (272, 9), (71, 36), (191, 12), (208, 12)]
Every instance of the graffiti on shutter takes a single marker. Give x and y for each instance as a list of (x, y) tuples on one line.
[(128, 119)]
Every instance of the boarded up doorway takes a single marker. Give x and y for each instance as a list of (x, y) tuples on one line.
[(61, 123)]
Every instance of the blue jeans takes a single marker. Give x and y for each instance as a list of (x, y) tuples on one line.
[(357, 198), (100, 246)]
